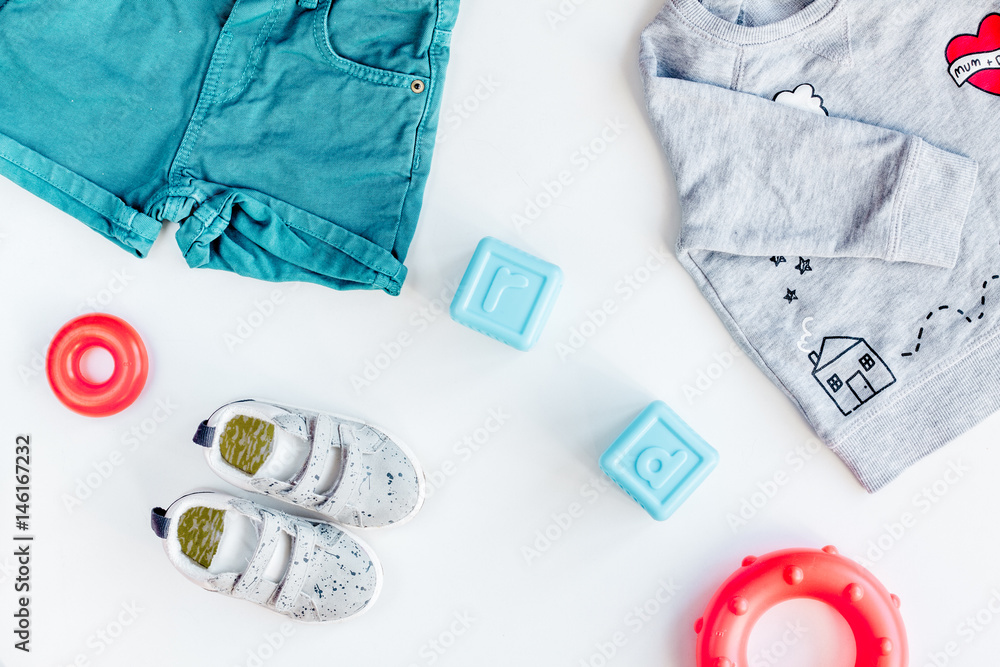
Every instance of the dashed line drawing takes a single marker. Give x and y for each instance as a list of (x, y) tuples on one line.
[(968, 317)]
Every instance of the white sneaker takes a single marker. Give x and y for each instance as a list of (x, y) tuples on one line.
[(342, 468), (309, 570)]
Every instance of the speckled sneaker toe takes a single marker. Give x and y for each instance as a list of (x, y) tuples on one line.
[(308, 570)]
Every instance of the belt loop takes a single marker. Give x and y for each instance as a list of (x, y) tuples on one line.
[(308, 4)]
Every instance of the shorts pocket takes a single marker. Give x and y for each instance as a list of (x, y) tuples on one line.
[(382, 41)]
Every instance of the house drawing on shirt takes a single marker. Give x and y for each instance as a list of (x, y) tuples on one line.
[(850, 371)]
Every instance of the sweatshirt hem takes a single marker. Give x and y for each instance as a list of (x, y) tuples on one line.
[(931, 413)]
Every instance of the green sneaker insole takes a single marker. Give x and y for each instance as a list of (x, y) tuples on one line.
[(199, 532), (246, 443)]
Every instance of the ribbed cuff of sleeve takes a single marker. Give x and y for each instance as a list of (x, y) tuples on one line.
[(936, 191)]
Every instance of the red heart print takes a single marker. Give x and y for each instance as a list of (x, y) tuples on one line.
[(986, 41)]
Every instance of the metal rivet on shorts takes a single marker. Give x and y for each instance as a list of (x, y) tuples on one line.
[(417, 86)]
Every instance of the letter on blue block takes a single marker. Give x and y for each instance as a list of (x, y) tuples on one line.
[(506, 294), (659, 460)]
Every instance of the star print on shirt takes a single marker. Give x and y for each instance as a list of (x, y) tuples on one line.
[(777, 259), (790, 296), (803, 266)]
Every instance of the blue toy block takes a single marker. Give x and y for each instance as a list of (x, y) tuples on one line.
[(506, 294), (659, 460)]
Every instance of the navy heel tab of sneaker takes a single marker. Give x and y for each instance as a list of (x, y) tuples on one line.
[(159, 522), (204, 435)]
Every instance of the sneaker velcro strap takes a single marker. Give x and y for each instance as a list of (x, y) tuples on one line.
[(287, 492), (302, 497), (351, 475), (204, 435), (302, 550), (159, 522), (248, 584), (305, 482)]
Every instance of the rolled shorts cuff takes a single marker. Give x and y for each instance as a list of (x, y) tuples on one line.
[(258, 236), (98, 208)]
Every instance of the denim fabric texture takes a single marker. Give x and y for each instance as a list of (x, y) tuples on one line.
[(291, 139)]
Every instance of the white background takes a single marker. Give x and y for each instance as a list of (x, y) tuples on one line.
[(554, 87)]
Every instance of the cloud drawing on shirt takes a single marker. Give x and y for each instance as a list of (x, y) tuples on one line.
[(803, 97)]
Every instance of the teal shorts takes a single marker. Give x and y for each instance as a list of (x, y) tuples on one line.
[(291, 139)]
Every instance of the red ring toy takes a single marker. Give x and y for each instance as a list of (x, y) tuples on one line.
[(71, 385), (823, 575)]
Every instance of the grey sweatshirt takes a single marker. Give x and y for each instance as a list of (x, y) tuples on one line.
[(838, 168)]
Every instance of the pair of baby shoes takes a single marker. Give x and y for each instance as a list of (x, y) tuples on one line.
[(347, 471)]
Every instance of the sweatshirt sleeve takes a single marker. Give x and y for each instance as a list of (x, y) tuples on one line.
[(756, 178)]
